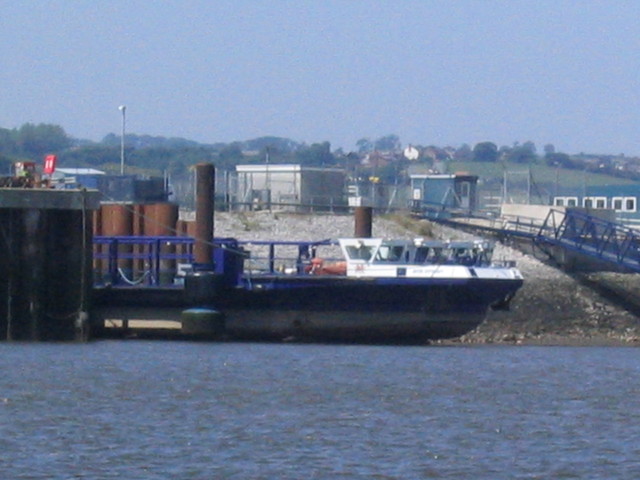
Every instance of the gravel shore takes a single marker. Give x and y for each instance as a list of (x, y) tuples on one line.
[(552, 308)]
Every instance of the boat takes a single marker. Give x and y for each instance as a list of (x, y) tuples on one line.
[(363, 290), (381, 290)]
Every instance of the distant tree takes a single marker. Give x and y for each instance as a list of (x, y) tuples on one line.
[(485, 152), (364, 145), (504, 152), (463, 153), (529, 146), (388, 143), (150, 158), (317, 154), (7, 142), (5, 165), (149, 141), (231, 152), (90, 155), (177, 168), (525, 153), (549, 149), (561, 160), (111, 140), (284, 145), (36, 140)]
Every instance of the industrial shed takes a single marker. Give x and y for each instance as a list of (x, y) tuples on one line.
[(289, 186), (438, 193)]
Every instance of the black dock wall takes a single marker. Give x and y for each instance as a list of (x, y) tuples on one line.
[(45, 270)]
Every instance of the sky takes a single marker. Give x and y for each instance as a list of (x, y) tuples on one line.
[(433, 72)]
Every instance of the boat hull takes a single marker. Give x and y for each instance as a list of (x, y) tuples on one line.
[(279, 308), (359, 310), (352, 327)]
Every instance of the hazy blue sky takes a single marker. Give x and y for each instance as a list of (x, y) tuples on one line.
[(432, 72)]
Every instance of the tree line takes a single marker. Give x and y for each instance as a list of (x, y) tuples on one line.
[(153, 155)]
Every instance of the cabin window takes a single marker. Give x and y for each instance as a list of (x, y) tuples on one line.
[(624, 204), (565, 201), (594, 202), (428, 255), (486, 256), (460, 256), (617, 203), (421, 254), (630, 204), (389, 254)]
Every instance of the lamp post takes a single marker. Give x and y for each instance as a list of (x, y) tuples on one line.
[(123, 109)]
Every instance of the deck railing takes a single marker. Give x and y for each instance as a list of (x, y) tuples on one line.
[(593, 236), (124, 261)]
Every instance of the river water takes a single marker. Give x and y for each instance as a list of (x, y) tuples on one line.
[(159, 410)]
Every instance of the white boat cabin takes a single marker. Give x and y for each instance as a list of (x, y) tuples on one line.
[(376, 257)]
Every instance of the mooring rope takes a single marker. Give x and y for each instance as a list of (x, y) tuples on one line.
[(138, 281)]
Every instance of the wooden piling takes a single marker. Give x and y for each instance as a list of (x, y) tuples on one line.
[(117, 221), (160, 220), (363, 222), (205, 190)]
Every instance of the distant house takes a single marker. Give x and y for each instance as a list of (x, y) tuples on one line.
[(378, 159), (290, 186)]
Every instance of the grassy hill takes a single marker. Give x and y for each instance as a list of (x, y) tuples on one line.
[(541, 174)]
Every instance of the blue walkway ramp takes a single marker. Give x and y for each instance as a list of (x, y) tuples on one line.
[(572, 230), (592, 236)]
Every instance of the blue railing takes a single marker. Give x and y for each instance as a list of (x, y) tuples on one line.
[(593, 236), (162, 261), (136, 260), (574, 230)]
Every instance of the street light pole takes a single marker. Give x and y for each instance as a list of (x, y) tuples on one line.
[(122, 108)]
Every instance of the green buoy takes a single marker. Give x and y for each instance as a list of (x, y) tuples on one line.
[(202, 322)]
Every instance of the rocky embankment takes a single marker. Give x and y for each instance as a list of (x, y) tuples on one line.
[(551, 308)]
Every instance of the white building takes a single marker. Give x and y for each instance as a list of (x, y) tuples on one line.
[(291, 186)]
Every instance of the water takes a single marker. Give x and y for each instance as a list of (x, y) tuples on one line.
[(158, 410)]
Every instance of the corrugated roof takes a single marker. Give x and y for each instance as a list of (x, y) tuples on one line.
[(80, 171)]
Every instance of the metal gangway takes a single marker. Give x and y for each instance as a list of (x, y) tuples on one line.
[(589, 235), (570, 229)]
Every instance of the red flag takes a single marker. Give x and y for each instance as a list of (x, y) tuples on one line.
[(50, 164)]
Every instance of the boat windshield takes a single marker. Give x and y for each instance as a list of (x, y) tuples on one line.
[(474, 253), (359, 252), (419, 252), (426, 254), (390, 253)]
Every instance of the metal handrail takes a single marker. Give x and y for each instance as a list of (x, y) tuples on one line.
[(593, 236), (156, 264)]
